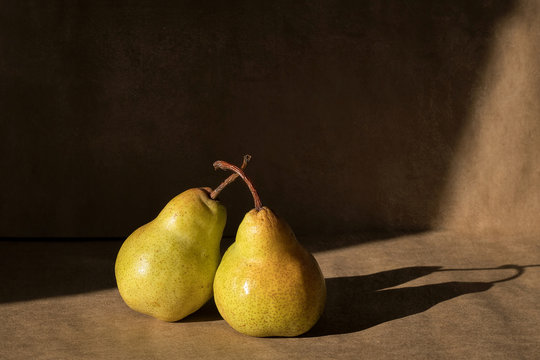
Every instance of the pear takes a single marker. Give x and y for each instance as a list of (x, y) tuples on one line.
[(166, 268), (267, 284)]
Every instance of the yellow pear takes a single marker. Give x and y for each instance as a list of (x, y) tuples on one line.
[(166, 268), (267, 284)]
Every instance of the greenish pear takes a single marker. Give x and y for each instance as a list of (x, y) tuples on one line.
[(267, 284), (166, 268)]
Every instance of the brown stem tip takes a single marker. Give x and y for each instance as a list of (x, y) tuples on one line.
[(214, 194), (223, 165)]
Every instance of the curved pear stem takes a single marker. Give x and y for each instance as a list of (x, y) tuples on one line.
[(230, 179), (223, 165)]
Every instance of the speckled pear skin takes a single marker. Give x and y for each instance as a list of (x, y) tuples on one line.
[(267, 284), (166, 268)]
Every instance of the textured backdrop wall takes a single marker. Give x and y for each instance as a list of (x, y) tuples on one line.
[(359, 115)]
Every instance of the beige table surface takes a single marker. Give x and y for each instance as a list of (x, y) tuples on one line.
[(433, 295)]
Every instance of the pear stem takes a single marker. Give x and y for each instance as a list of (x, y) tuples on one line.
[(223, 165), (214, 194)]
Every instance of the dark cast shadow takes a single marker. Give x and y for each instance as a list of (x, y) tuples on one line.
[(33, 269), (357, 303), (208, 312)]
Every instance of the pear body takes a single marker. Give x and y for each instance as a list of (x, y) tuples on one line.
[(166, 268), (267, 284)]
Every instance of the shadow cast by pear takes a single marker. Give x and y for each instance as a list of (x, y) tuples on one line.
[(357, 303)]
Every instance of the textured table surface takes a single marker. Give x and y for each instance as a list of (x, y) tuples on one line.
[(430, 295)]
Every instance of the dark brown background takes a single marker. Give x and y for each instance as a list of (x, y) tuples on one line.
[(359, 114)]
